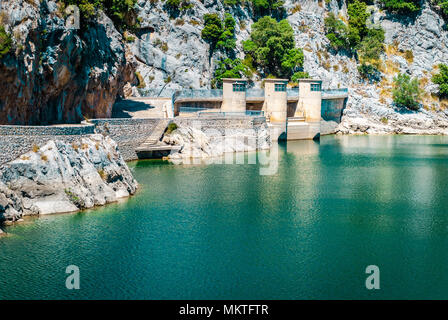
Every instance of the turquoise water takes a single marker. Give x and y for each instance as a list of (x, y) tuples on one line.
[(227, 232)]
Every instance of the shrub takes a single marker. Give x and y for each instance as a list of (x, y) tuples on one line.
[(35, 148), (5, 42), (229, 68), (171, 127), (118, 10), (337, 33), (175, 6), (232, 3), (267, 7), (402, 6), (372, 46), (272, 47), (355, 34), (441, 79), (369, 72), (406, 92), (299, 75)]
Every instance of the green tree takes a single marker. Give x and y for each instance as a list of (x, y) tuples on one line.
[(337, 32), (441, 79), (5, 42), (267, 7), (357, 22), (402, 6), (272, 47), (299, 75), (220, 34), (229, 68), (372, 46), (406, 92)]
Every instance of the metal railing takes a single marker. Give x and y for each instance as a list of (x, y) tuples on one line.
[(254, 93), (199, 93), (192, 109), (334, 92), (157, 93), (253, 113)]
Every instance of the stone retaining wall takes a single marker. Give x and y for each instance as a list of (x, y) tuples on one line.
[(17, 140), (222, 124), (129, 133)]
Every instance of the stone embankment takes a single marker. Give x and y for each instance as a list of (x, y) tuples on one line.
[(62, 177)]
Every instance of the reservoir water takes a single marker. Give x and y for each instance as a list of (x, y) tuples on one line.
[(226, 232)]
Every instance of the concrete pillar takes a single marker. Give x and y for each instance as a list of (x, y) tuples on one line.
[(310, 99), (233, 95), (275, 99)]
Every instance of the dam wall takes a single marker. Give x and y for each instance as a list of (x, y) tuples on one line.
[(221, 124), (17, 140), (332, 108), (129, 133)]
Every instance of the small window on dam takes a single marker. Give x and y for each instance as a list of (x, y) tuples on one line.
[(239, 87), (315, 87), (280, 87)]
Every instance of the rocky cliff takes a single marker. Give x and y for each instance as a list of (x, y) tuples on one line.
[(55, 72), (60, 177)]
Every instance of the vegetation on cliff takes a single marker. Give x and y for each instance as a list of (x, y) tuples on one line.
[(272, 48), (407, 92), (120, 11), (220, 34), (230, 68), (356, 38), (5, 42), (441, 79), (402, 6)]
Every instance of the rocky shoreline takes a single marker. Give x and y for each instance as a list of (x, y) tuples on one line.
[(59, 177)]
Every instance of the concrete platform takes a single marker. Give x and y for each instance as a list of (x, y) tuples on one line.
[(155, 151)]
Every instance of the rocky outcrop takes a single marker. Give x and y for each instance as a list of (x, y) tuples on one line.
[(196, 143), (60, 177), (56, 73)]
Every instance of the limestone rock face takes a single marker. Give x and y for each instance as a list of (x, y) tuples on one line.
[(57, 74), (60, 177), (196, 143)]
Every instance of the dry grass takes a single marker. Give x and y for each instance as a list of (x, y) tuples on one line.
[(24, 158), (35, 148), (75, 146), (297, 8), (179, 22), (97, 146), (194, 22), (44, 157), (102, 174), (336, 67), (409, 56)]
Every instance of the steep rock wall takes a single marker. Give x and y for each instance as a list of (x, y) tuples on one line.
[(56, 74)]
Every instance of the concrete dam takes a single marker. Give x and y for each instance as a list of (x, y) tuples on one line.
[(294, 112)]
